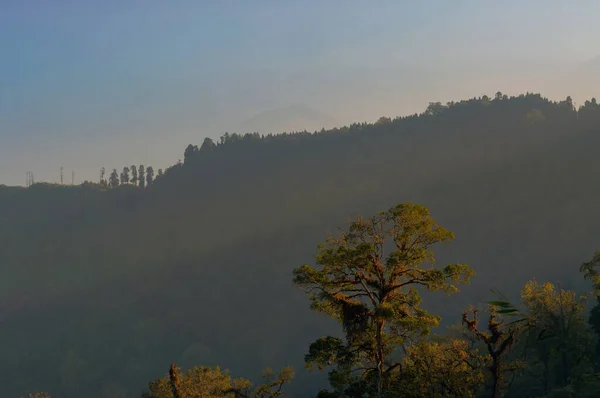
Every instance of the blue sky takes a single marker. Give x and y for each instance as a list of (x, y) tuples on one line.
[(86, 84)]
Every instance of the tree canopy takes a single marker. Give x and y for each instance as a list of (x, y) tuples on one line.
[(373, 294)]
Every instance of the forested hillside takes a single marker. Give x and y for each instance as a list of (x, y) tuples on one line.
[(105, 283)]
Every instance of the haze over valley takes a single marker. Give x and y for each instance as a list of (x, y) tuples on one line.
[(369, 200)]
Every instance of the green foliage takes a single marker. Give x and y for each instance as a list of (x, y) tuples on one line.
[(141, 178), (535, 117), (113, 180), (207, 145), (585, 387), (594, 319), (451, 368), (125, 175), (189, 152), (273, 383), (199, 381), (102, 175), (134, 175), (505, 308), (590, 271), (560, 340), (149, 175), (499, 338), (206, 382), (373, 293)]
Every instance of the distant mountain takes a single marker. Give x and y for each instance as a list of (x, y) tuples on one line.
[(296, 117)]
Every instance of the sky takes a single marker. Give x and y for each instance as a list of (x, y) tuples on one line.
[(89, 84)]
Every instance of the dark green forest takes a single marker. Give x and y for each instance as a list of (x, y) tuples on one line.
[(217, 261)]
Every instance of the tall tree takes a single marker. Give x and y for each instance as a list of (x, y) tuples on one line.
[(149, 175), (134, 175), (564, 344), (102, 175), (125, 175), (114, 179), (499, 338), (373, 294), (141, 174), (189, 153), (225, 138), (175, 381), (207, 145)]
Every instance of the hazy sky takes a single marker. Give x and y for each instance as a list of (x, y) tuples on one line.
[(86, 84)]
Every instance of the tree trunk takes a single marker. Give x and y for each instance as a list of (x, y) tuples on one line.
[(175, 382), (546, 376), (380, 358), (496, 377), (565, 366)]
